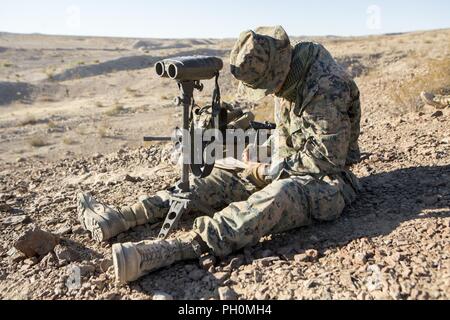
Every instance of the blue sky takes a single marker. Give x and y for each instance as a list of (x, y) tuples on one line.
[(217, 19)]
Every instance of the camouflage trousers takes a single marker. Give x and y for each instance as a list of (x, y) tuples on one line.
[(442, 100), (242, 214)]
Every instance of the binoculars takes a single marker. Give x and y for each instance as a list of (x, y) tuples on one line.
[(189, 68)]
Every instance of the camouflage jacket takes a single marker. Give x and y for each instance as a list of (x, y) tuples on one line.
[(318, 114)]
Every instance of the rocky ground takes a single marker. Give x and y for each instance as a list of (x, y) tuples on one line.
[(392, 243)]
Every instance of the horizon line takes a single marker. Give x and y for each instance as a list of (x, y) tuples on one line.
[(219, 38)]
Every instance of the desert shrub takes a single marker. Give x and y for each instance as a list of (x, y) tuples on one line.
[(98, 104), (103, 131), (7, 64), (37, 142), (51, 124), (436, 79), (28, 120), (69, 141), (116, 110)]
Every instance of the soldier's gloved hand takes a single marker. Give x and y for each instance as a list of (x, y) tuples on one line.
[(256, 174)]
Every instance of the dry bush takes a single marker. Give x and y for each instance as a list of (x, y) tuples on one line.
[(103, 131), (7, 64), (37, 142), (436, 80), (50, 72), (130, 90), (69, 141), (28, 120), (116, 110), (51, 124)]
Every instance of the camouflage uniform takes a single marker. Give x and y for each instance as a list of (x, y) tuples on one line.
[(317, 115), (438, 101)]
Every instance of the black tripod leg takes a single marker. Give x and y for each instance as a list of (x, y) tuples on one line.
[(177, 209)]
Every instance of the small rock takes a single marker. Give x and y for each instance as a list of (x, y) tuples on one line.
[(346, 280), (301, 257), (360, 258), (311, 283), (132, 179), (226, 293), (14, 220), (21, 159), (208, 261), (262, 295), (64, 231), (312, 254), (31, 261), (105, 265), (48, 261), (221, 277), (78, 230), (36, 242), (67, 254), (437, 114), (309, 256), (86, 269), (265, 262), (162, 296), (5, 207)]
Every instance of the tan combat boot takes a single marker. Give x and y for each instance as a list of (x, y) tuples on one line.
[(133, 260), (105, 222), (439, 102)]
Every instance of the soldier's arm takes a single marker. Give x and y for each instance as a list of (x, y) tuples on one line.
[(328, 131)]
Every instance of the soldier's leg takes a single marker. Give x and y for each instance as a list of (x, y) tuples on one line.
[(281, 206), (437, 101), (209, 195), (444, 101)]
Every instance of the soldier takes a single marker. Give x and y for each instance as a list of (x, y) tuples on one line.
[(318, 124), (437, 101)]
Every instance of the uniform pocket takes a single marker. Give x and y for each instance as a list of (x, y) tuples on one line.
[(326, 200)]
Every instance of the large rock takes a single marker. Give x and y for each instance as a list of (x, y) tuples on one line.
[(36, 242)]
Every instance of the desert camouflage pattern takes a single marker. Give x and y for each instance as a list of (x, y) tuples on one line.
[(261, 59), (442, 100), (318, 115), (435, 100)]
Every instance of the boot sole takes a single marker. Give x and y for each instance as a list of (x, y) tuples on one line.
[(126, 262), (91, 221)]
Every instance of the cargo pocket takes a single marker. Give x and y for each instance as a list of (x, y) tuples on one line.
[(326, 200)]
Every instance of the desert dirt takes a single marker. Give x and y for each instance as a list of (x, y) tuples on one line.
[(73, 111)]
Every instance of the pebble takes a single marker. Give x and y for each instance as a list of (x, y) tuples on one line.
[(65, 230), (437, 114), (67, 254), (105, 265), (360, 258), (226, 293), (14, 220), (221, 277), (161, 296)]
